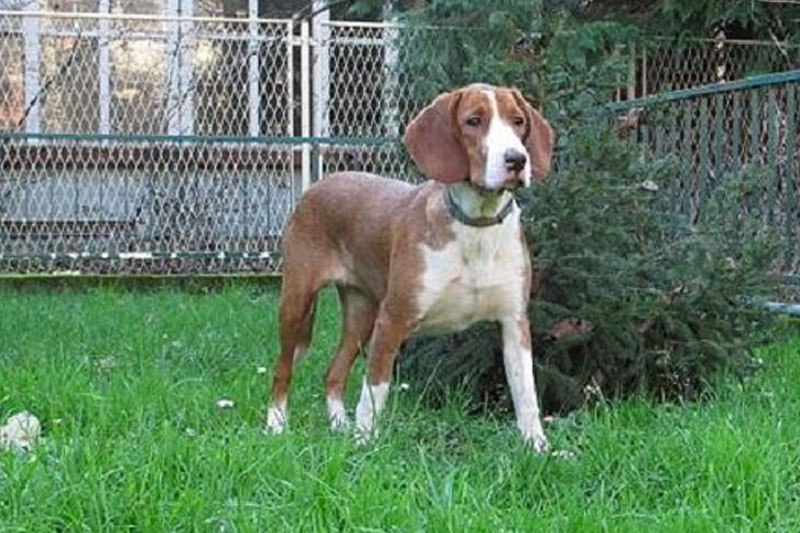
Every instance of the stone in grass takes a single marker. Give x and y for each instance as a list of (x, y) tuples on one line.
[(224, 403), (20, 431), (105, 364), (564, 454)]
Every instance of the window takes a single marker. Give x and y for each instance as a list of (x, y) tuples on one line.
[(148, 75)]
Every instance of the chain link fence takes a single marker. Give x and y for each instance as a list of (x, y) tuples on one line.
[(668, 65), (377, 77), (167, 144), (144, 143), (744, 133), (151, 205)]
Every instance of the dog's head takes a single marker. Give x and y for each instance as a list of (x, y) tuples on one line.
[(489, 136)]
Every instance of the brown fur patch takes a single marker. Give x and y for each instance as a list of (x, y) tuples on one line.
[(432, 140), (440, 223), (539, 138)]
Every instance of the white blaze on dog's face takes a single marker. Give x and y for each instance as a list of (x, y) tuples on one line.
[(492, 125), (506, 158)]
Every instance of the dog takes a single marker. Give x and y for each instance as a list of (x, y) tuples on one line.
[(436, 257)]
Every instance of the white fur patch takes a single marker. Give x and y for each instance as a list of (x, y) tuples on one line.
[(518, 364), (370, 405), (276, 418), (299, 354), (479, 275), (500, 138), (337, 415)]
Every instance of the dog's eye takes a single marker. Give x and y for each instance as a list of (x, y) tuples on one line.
[(518, 121), (474, 121)]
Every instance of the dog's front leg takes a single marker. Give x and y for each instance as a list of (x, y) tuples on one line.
[(518, 363), (388, 334)]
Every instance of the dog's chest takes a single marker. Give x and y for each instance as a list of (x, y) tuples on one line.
[(479, 275)]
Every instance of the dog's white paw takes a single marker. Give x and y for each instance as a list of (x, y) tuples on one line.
[(339, 423), (276, 420), (365, 436), (537, 442), (337, 415)]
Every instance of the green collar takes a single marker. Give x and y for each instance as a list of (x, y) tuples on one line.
[(479, 222)]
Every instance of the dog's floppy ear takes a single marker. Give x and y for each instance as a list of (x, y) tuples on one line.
[(432, 140), (538, 139)]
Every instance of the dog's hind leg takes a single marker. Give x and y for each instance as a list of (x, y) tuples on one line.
[(296, 317), (358, 318)]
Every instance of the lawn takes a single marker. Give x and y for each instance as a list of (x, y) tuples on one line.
[(125, 384)]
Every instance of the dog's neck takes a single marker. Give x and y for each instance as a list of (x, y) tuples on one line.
[(480, 206)]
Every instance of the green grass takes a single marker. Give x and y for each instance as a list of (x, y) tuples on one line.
[(139, 445)]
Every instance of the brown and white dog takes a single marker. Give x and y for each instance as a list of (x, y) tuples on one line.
[(436, 257)]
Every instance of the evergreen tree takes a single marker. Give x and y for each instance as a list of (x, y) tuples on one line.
[(629, 295)]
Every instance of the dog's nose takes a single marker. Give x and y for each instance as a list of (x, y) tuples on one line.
[(515, 160)]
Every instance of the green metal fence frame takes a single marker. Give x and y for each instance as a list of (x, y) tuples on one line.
[(754, 82)]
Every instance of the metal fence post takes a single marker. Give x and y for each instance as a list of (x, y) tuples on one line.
[(253, 75), (391, 80), (320, 31), (290, 78), (772, 154), (186, 70), (30, 36), (790, 177), (172, 65), (305, 105), (104, 70), (290, 103)]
